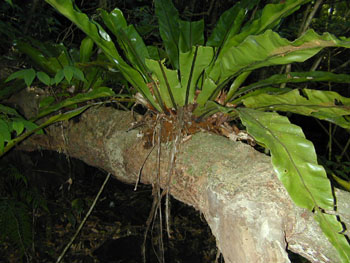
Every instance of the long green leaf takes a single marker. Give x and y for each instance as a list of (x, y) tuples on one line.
[(103, 40), (5, 131), (44, 78), (59, 117), (169, 85), (268, 90), (208, 88), (270, 49), (296, 77), (8, 110), (7, 89), (128, 38), (191, 34), (295, 162), (228, 26), (236, 84), (85, 52), (27, 74), (324, 105), (192, 65), (94, 94), (293, 157), (270, 17), (49, 65), (212, 107), (168, 20), (333, 229)]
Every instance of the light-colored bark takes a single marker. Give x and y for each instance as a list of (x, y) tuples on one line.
[(233, 185)]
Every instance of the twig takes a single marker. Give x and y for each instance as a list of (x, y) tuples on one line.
[(302, 30), (84, 220), (157, 196), (178, 139), (141, 168), (312, 14), (335, 141)]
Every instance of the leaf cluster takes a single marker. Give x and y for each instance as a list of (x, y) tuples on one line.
[(18, 200), (69, 78), (12, 125), (206, 76)]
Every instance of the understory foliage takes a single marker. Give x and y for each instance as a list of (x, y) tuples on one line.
[(18, 201), (195, 79), (66, 77)]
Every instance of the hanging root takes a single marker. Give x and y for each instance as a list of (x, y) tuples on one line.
[(175, 127), (158, 134)]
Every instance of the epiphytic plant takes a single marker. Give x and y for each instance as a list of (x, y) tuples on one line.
[(198, 79)]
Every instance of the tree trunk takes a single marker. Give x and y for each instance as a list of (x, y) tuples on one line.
[(233, 185)]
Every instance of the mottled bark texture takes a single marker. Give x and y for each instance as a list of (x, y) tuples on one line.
[(234, 186)]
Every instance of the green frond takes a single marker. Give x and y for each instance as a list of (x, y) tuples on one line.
[(15, 224)]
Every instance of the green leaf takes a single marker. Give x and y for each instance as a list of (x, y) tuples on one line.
[(2, 145), (5, 132), (191, 34), (46, 101), (78, 74), (94, 78), (128, 38), (8, 110), (59, 77), (18, 126), (270, 49), (208, 88), (8, 89), (63, 59), (293, 158), (115, 20), (33, 128), (268, 90), (16, 75), (296, 77), (168, 20), (44, 78), (324, 105), (50, 65), (192, 65), (94, 94), (169, 86), (9, 2), (86, 48), (29, 77), (236, 84), (68, 72), (27, 74), (210, 108), (249, 4), (228, 26), (65, 116), (48, 49), (15, 223), (270, 17), (153, 53), (345, 184), (295, 163), (103, 41), (333, 229)]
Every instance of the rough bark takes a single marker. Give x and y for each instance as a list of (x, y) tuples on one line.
[(233, 185)]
